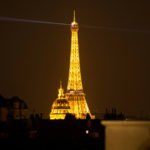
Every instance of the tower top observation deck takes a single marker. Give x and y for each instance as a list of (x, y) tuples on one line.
[(74, 24)]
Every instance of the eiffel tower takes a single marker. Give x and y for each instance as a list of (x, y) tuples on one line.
[(74, 95)]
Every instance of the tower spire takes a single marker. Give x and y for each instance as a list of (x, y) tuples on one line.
[(60, 91), (75, 94), (60, 84), (74, 81), (74, 16)]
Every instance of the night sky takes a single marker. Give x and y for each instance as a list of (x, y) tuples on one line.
[(114, 64)]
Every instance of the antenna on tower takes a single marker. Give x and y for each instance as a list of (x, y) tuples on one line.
[(74, 16), (60, 84)]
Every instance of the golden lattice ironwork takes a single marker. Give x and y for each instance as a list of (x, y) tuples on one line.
[(74, 95), (74, 81)]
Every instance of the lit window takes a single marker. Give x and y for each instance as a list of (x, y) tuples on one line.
[(87, 131)]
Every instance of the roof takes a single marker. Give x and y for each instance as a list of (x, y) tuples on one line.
[(10, 102)]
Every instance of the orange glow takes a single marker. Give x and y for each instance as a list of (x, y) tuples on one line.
[(74, 98)]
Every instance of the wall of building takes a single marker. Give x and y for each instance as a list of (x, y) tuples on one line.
[(127, 135), (3, 114)]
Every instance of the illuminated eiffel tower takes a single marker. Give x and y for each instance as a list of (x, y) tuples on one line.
[(74, 95)]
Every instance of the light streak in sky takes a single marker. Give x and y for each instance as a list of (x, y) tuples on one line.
[(31, 21), (116, 29), (82, 26)]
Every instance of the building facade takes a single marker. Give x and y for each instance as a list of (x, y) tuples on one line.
[(12, 109)]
